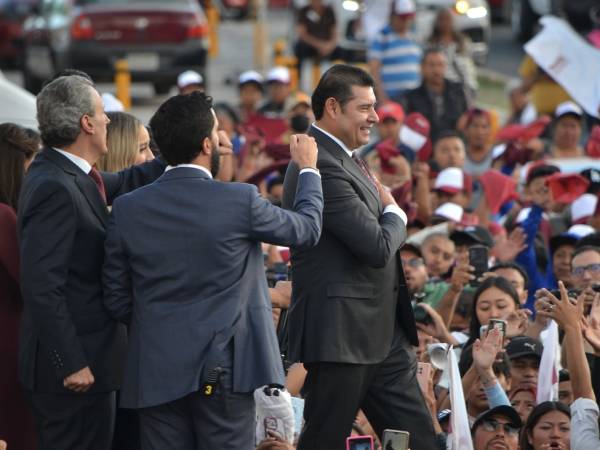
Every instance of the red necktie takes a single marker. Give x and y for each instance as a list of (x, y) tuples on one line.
[(97, 178), (363, 167)]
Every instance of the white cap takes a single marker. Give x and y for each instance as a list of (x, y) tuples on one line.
[(568, 108), (250, 76), (451, 179), (450, 211), (581, 230), (188, 78), (583, 207), (404, 7), (280, 74), (111, 103)]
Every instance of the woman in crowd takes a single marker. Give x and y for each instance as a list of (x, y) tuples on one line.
[(457, 48), (128, 143), (523, 400), (548, 427), (17, 149), (495, 298)]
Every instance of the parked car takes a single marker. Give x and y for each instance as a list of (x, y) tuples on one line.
[(12, 15), (159, 40)]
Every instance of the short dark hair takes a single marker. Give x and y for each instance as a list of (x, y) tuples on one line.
[(181, 124), (16, 146), (430, 50), (544, 170), (514, 266), (446, 134), (583, 249), (337, 82)]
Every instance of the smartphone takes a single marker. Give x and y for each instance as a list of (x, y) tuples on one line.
[(395, 440), (424, 375), (483, 329), (360, 443), (478, 258), (274, 425), (499, 324)]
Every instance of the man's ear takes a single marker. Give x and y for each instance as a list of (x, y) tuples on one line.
[(207, 146), (332, 107), (86, 124)]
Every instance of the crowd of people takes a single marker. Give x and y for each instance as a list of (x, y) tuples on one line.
[(294, 270)]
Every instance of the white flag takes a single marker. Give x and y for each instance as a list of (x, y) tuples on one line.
[(569, 60), (547, 389), (461, 430)]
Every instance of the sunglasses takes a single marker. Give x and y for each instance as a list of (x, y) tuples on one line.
[(493, 425)]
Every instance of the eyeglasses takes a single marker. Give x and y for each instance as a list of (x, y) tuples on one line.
[(413, 262), (579, 271), (493, 425)]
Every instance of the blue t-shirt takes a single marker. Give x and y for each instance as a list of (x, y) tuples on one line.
[(400, 59)]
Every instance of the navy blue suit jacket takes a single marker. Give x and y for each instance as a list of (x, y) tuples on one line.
[(184, 266)]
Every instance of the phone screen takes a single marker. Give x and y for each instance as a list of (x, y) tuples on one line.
[(395, 440), (360, 443), (478, 258)]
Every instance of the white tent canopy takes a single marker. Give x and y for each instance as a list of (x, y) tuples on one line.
[(16, 105)]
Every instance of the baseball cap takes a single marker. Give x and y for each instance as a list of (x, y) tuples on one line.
[(390, 110), (593, 176), (278, 74), (505, 411), (453, 180), (568, 108), (404, 7), (474, 234), (250, 76), (520, 346), (570, 237), (450, 211), (583, 208), (188, 78)]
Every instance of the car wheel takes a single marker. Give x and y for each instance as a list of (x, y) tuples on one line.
[(523, 20), (162, 88)]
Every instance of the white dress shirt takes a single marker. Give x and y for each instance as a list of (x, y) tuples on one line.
[(584, 425), (78, 161), (394, 209)]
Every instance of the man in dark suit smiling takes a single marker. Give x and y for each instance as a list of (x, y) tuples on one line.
[(351, 320)]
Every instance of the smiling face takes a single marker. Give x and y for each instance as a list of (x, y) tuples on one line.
[(553, 430), (356, 118), (144, 153)]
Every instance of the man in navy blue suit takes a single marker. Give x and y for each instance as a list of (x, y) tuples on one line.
[(184, 267)]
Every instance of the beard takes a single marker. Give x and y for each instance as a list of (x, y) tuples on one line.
[(215, 161)]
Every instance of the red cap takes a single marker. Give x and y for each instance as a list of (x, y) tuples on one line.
[(523, 133), (498, 189), (390, 110), (418, 123), (592, 147), (386, 151), (566, 188)]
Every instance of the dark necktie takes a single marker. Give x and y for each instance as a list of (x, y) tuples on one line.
[(97, 178), (363, 167)]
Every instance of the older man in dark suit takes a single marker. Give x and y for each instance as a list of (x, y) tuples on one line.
[(71, 351), (184, 266), (351, 320)]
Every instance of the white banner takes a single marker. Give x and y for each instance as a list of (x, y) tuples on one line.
[(460, 438), (569, 60)]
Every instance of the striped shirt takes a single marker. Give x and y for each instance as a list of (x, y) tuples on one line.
[(400, 59)]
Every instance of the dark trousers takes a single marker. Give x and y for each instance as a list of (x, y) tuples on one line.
[(303, 51), (387, 392), (196, 422), (74, 422)]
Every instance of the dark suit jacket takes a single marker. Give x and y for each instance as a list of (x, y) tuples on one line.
[(184, 266), (349, 290), (61, 224), (455, 104)]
